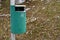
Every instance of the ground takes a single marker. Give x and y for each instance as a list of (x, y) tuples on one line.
[(43, 21)]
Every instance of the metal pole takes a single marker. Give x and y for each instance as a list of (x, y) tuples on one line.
[(19, 1), (12, 36), (12, 3)]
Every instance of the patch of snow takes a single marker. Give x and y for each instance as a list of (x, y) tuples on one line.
[(27, 32), (42, 0), (27, 2), (48, 20), (33, 19), (33, 6), (36, 39), (43, 8), (58, 16), (27, 9)]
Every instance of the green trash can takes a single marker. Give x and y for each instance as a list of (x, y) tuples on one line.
[(18, 19)]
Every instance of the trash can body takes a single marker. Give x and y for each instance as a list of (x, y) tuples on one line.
[(17, 21)]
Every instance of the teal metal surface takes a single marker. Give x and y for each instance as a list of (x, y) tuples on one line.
[(17, 21)]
